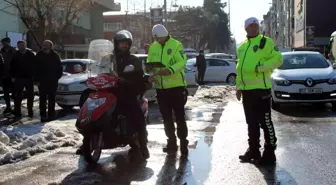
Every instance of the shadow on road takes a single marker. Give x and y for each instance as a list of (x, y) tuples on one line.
[(116, 169), (169, 175), (310, 111), (275, 176)]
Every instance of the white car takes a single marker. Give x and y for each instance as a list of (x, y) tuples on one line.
[(305, 77), (217, 70), (220, 55), (71, 87)]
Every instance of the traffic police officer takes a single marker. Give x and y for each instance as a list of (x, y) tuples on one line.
[(258, 56), (170, 84)]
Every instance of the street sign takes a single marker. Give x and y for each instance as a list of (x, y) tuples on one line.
[(156, 16)]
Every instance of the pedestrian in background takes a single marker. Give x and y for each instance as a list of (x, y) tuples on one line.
[(7, 52), (170, 85), (48, 72), (201, 67), (258, 56), (22, 72)]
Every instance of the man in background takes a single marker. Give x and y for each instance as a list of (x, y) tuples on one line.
[(201, 67), (48, 72), (7, 52), (22, 73)]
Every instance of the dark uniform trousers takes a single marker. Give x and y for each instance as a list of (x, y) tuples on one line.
[(20, 84), (258, 114), (47, 91), (170, 100)]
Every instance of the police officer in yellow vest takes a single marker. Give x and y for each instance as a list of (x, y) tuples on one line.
[(258, 56), (170, 84)]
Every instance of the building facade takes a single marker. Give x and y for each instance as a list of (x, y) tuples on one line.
[(301, 23), (138, 24), (10, 23)]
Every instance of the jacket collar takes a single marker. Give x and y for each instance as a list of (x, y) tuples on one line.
[(257, 37)]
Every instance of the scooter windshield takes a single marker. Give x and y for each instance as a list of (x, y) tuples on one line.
[(100, 53)]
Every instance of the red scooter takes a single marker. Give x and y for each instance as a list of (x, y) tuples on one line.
[(100, 124)]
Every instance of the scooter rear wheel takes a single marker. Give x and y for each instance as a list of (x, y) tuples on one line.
[(92, 148)]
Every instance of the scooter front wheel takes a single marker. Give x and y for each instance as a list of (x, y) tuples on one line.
[(92, 147)]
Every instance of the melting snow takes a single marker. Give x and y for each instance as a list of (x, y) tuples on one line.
[(23, 141)]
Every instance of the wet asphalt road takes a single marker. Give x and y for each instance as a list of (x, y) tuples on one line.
[(306, 155)]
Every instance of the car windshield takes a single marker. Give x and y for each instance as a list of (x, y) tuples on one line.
[(72, 66), (304, 61), (191, 62)]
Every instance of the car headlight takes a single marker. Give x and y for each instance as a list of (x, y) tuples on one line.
[(282, 82), (94, 103), (332, 80), (63, 87)]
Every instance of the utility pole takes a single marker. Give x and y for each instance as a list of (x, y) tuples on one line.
[(165, 10), (289, 22), (145, 24), (229, 4)]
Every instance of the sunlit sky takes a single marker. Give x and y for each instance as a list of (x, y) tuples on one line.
[(240, 10)]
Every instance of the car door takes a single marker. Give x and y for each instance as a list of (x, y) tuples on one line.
[(218, 70)]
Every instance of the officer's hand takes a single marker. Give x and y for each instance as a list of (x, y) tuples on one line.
[(151, 79), (238, 94), (164, 72)]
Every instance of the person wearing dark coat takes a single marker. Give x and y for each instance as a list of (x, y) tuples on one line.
[(7, 52), (201, 67), (22, 73), (48, 72)]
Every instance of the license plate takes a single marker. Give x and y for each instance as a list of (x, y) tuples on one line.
[(311, 91)]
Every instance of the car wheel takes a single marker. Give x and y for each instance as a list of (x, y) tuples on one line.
[(65, 106), (333, 108), (274, 105), (231, 79)]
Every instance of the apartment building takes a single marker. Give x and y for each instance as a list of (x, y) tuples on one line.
[(301, 23), (138, 24)]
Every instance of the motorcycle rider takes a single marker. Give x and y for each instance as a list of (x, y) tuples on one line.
[(135, 84)]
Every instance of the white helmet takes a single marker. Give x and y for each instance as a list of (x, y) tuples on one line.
[(159, 31)]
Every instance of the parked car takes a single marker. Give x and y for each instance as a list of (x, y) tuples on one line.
[(70, 87), (304, 77), (220, 55), (218, 70), (69, 65)]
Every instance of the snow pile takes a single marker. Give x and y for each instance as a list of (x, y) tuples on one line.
[(21, 142), (211, 94)]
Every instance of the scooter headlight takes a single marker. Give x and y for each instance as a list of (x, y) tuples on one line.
[(95, 103)]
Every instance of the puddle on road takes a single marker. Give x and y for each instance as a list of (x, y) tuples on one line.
[(200, 160)]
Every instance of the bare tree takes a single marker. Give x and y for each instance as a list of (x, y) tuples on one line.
[(49, 18)]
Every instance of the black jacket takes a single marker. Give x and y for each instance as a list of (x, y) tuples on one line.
[(137, 82), (7, 56), (200, 62), (48, 66), (23, 65), (1, 66)]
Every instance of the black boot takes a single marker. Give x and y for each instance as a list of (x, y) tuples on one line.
[(268, 157), (80, 150), (143, 144), (184, 147), (171, 147), (250, 156)]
